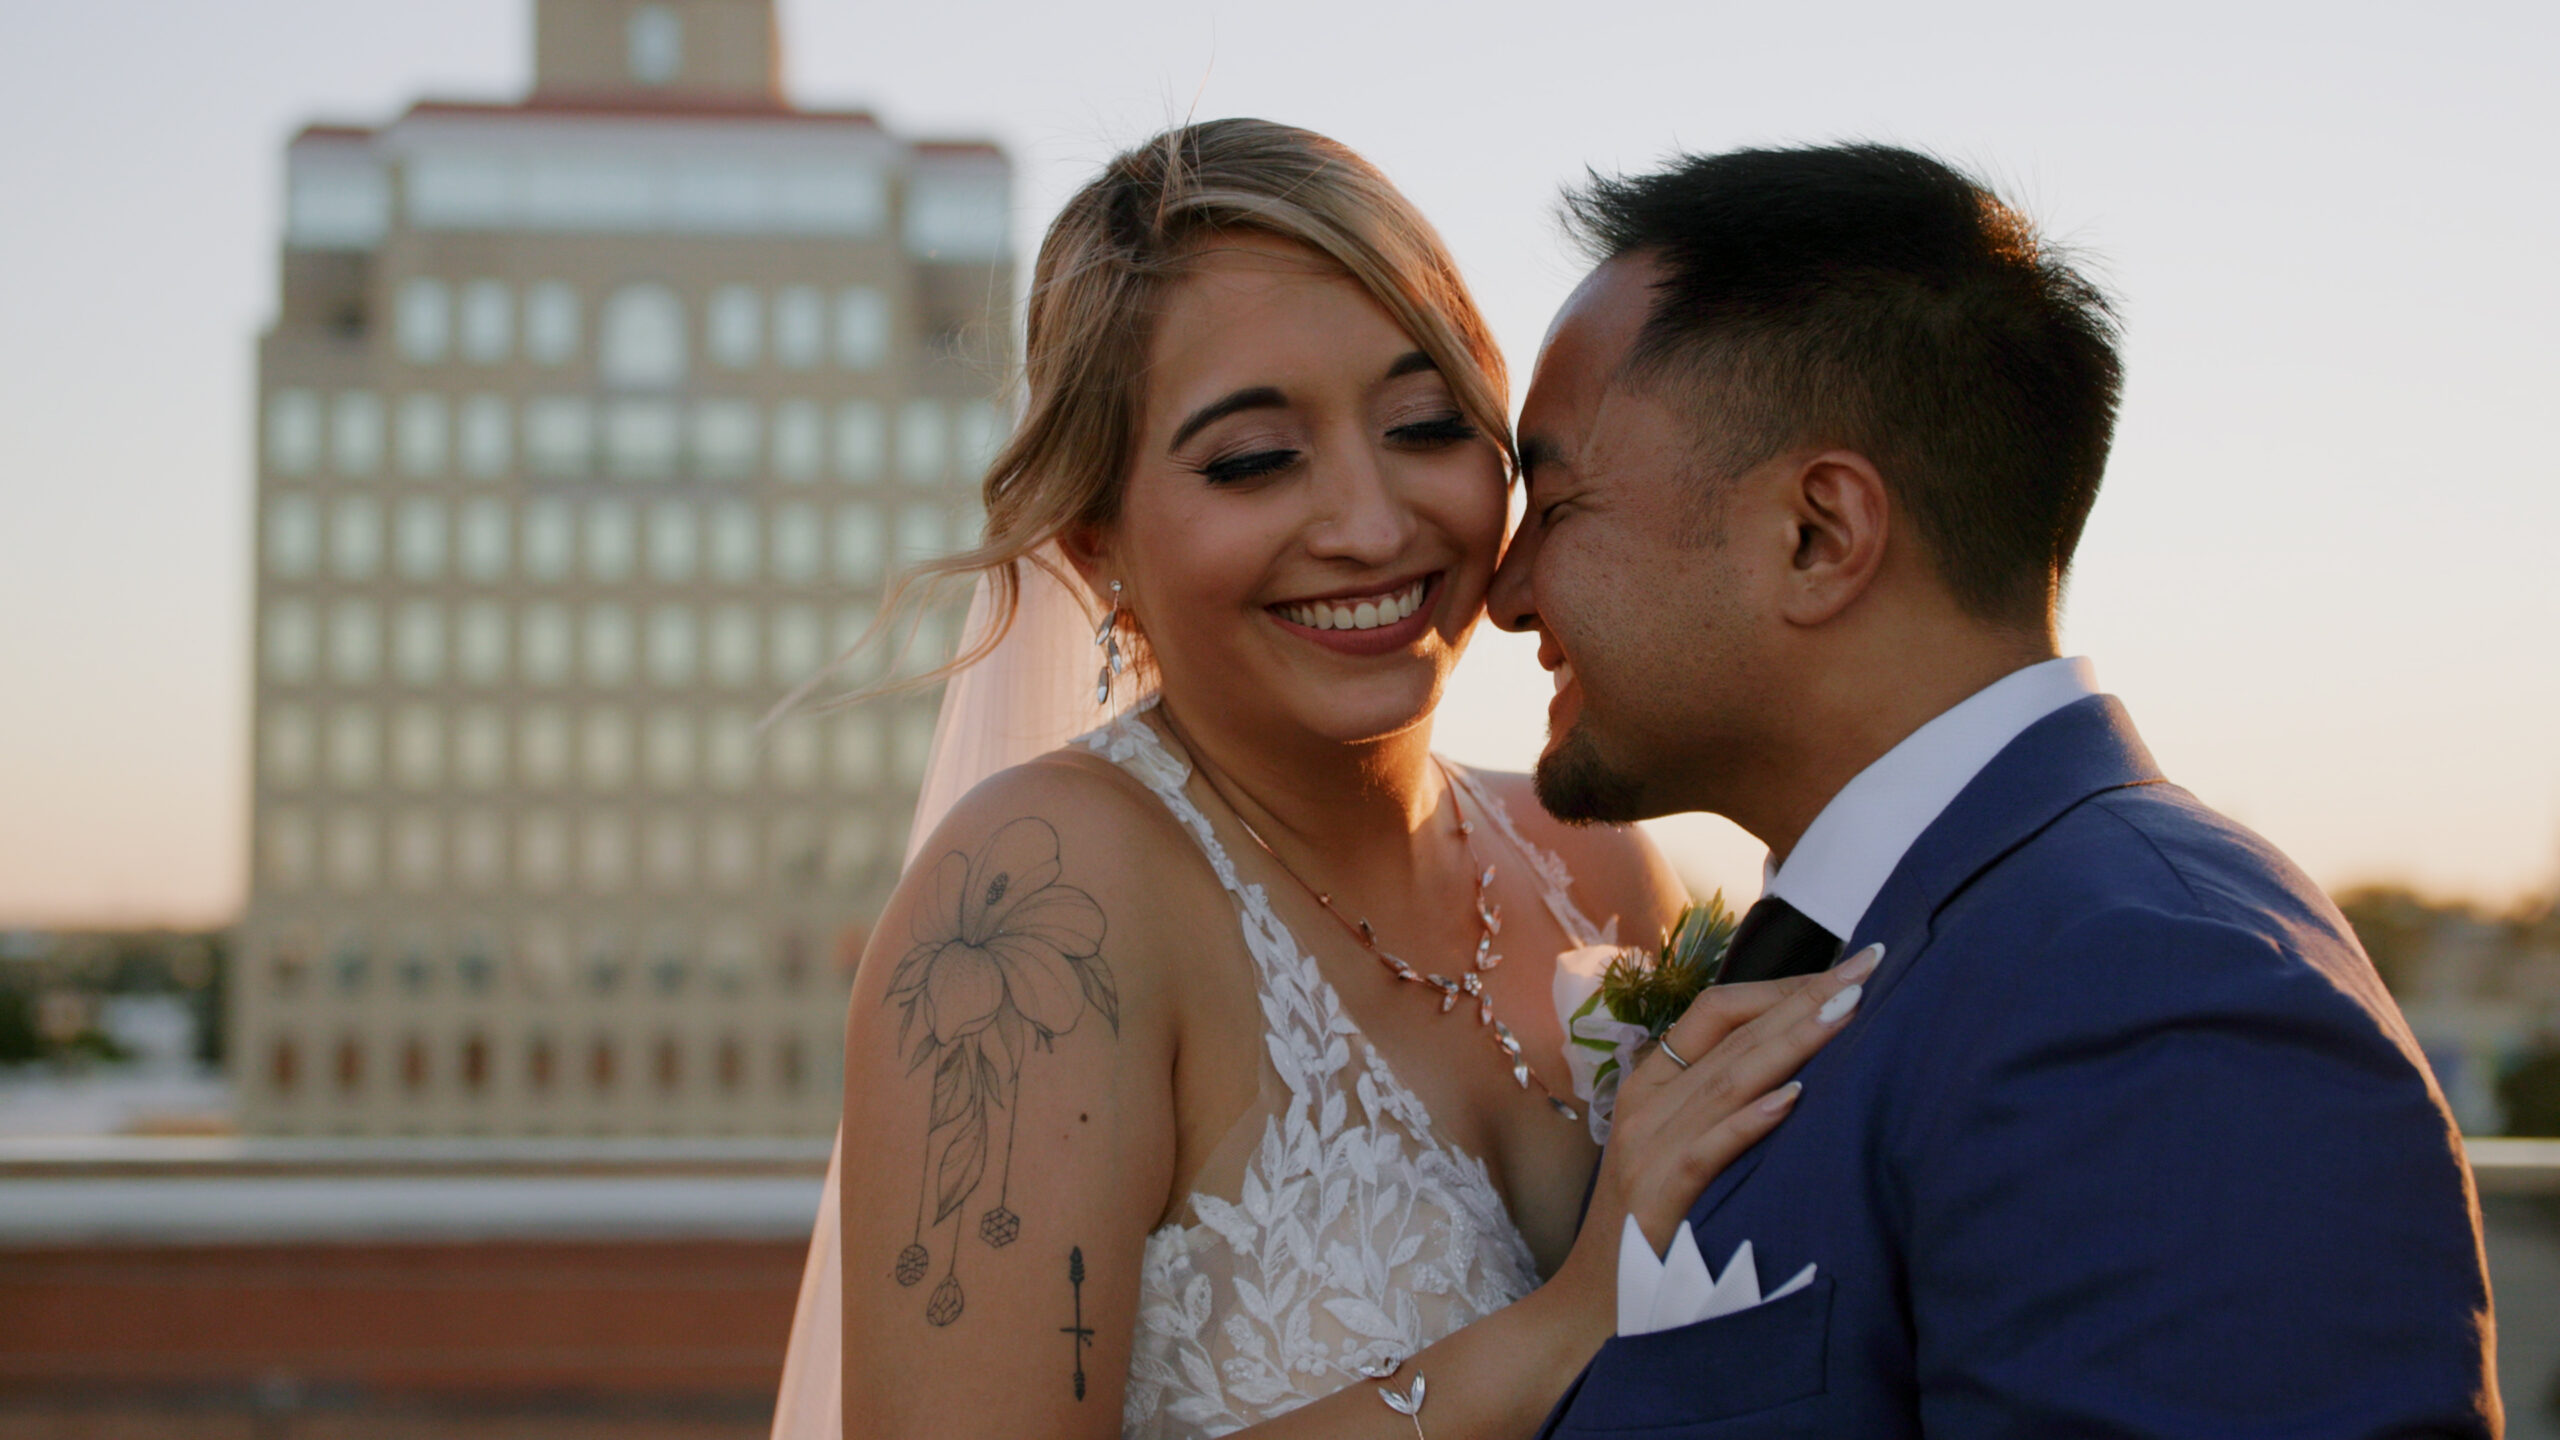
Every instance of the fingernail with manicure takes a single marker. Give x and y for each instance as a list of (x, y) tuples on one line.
[(1860, 965), (1782, 1097), (1837, 1008)]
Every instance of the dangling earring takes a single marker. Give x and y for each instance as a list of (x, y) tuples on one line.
[(1108, 637)]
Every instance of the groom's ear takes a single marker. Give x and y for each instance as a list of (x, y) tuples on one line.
[(1837, 503)]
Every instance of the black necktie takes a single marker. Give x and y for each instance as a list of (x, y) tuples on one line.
[(1776, 940)]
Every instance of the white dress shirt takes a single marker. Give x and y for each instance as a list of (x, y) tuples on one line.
[(1852, 847), (1833, 875)]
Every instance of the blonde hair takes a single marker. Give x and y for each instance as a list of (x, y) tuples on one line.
[(1109, 258)]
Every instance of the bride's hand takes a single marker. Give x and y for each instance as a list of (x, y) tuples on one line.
[(1676, 1129)]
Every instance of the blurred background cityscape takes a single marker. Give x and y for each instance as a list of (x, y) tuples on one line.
[(484, 1088)]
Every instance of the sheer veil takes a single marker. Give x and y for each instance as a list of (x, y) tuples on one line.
[(1031, 694)]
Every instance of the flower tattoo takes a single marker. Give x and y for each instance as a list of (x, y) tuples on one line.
[(1005, 959)]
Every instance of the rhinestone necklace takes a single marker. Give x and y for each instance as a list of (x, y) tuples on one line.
[(1488, 924)]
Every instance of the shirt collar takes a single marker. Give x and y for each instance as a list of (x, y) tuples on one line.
[(1852, 847)]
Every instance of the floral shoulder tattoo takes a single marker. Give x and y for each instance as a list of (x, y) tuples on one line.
[(1006, 960)]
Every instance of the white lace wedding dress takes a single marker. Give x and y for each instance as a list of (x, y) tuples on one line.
[(1336, 1228)]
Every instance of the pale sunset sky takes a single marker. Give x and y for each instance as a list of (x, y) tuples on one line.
[(2317, 574)]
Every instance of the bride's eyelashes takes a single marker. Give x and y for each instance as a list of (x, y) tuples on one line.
[(1437, 432)]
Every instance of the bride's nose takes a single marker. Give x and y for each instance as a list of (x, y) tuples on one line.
[(1359, 514)]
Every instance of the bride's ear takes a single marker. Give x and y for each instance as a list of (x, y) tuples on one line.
[(1088, 549)]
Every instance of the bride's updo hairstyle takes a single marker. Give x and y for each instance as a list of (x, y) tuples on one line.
[(1108, 262)]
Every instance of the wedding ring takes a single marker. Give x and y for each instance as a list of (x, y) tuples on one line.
[(1665, 1044)]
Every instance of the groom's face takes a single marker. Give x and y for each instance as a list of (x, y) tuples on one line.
[(1621, 566)]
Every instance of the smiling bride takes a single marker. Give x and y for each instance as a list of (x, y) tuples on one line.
[(1203, 1075)]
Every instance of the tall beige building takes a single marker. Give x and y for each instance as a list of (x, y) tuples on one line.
[(588, 426)]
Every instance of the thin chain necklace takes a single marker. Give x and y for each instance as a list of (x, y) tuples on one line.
[(1488, 924)]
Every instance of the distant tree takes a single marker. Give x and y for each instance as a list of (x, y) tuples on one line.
[(2531, 1092), (2397, 926), (19, 1040)]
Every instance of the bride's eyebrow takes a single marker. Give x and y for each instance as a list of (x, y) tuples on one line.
[(1259, 397), (1412, 362)]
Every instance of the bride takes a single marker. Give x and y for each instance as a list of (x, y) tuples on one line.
[(1203, 1074)]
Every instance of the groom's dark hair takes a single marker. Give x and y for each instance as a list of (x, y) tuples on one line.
[(1873, 298)]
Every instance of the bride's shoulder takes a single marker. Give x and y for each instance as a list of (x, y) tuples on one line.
[(1616, 869)]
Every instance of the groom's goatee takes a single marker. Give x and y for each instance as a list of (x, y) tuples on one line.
[(1578, 787)]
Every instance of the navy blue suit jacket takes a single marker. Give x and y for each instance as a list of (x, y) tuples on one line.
[(2126, 1139)]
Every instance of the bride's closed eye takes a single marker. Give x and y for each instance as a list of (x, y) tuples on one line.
[(1436, 432), (1247, 466)]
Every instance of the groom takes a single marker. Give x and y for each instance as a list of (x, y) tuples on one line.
[(2125, 1138)]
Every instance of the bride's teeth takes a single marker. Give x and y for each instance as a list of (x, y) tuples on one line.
[(1358, 614), (1365, 616)]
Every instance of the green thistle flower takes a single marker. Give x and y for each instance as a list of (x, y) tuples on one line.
[(1654, 990)]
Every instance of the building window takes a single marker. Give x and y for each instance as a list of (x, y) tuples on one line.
[(914, 743), (733, 328), (475, 965), (609, 645), (609, 541), (670, 853), (733, 646), (859, 544), (670, 1064), (798, 544), (542, 747), (640, 340), (550, 323), (600, 1066), (478, 844), (351, 851), (355, 642), (542, 852), (799, 442), (668, 970), (732, 955), (488, 322), (604, 751), (787, 1065), (862, 328), (799, 327), (293, 432), (356, 433), (732, 1065), (416, 852), (733, 543), (798, 644), (413, 1065), (351, 966), (284, 1065), (484, 540), (857, 663), (355, 537), (857, 749), (545, 643), (540, 1065), (729, 748), (671, 646), (559, 436), (350, 1065), (424, 320), (920, 533), (422, 435), (852, 849), (417, 747), (656, 40), (862, 442), (480, 643), (642, 439), (288, 747), (606, 850), (480, 748), (488, 442), (670, 749), (293, 536), (550, 536), (419, 541), (288, 850), (292, 641), (671, 542), (795, 754), (475, 1064), (981, 435), (724, 439), (354, 747), (729, 853), (924, 442), (417, 643)]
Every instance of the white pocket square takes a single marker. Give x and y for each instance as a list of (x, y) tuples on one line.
[(1676, 1289)]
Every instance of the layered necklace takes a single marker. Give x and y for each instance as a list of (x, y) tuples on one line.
[(1468, 986)]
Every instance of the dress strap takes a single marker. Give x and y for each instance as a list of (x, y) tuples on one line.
[(1555, 882)]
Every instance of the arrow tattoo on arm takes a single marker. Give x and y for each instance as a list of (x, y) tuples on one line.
[(1082, 1332)]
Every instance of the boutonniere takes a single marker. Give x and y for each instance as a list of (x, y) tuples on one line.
[(1615, 999)]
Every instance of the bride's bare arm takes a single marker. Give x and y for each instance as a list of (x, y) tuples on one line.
[(1009, 1126)]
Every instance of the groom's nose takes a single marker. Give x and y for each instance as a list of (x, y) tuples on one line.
[(1510, 602)]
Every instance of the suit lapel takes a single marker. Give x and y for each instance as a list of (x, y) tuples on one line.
[(2085, 748)]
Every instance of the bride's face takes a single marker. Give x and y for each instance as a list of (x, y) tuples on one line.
[(1310, 521)]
